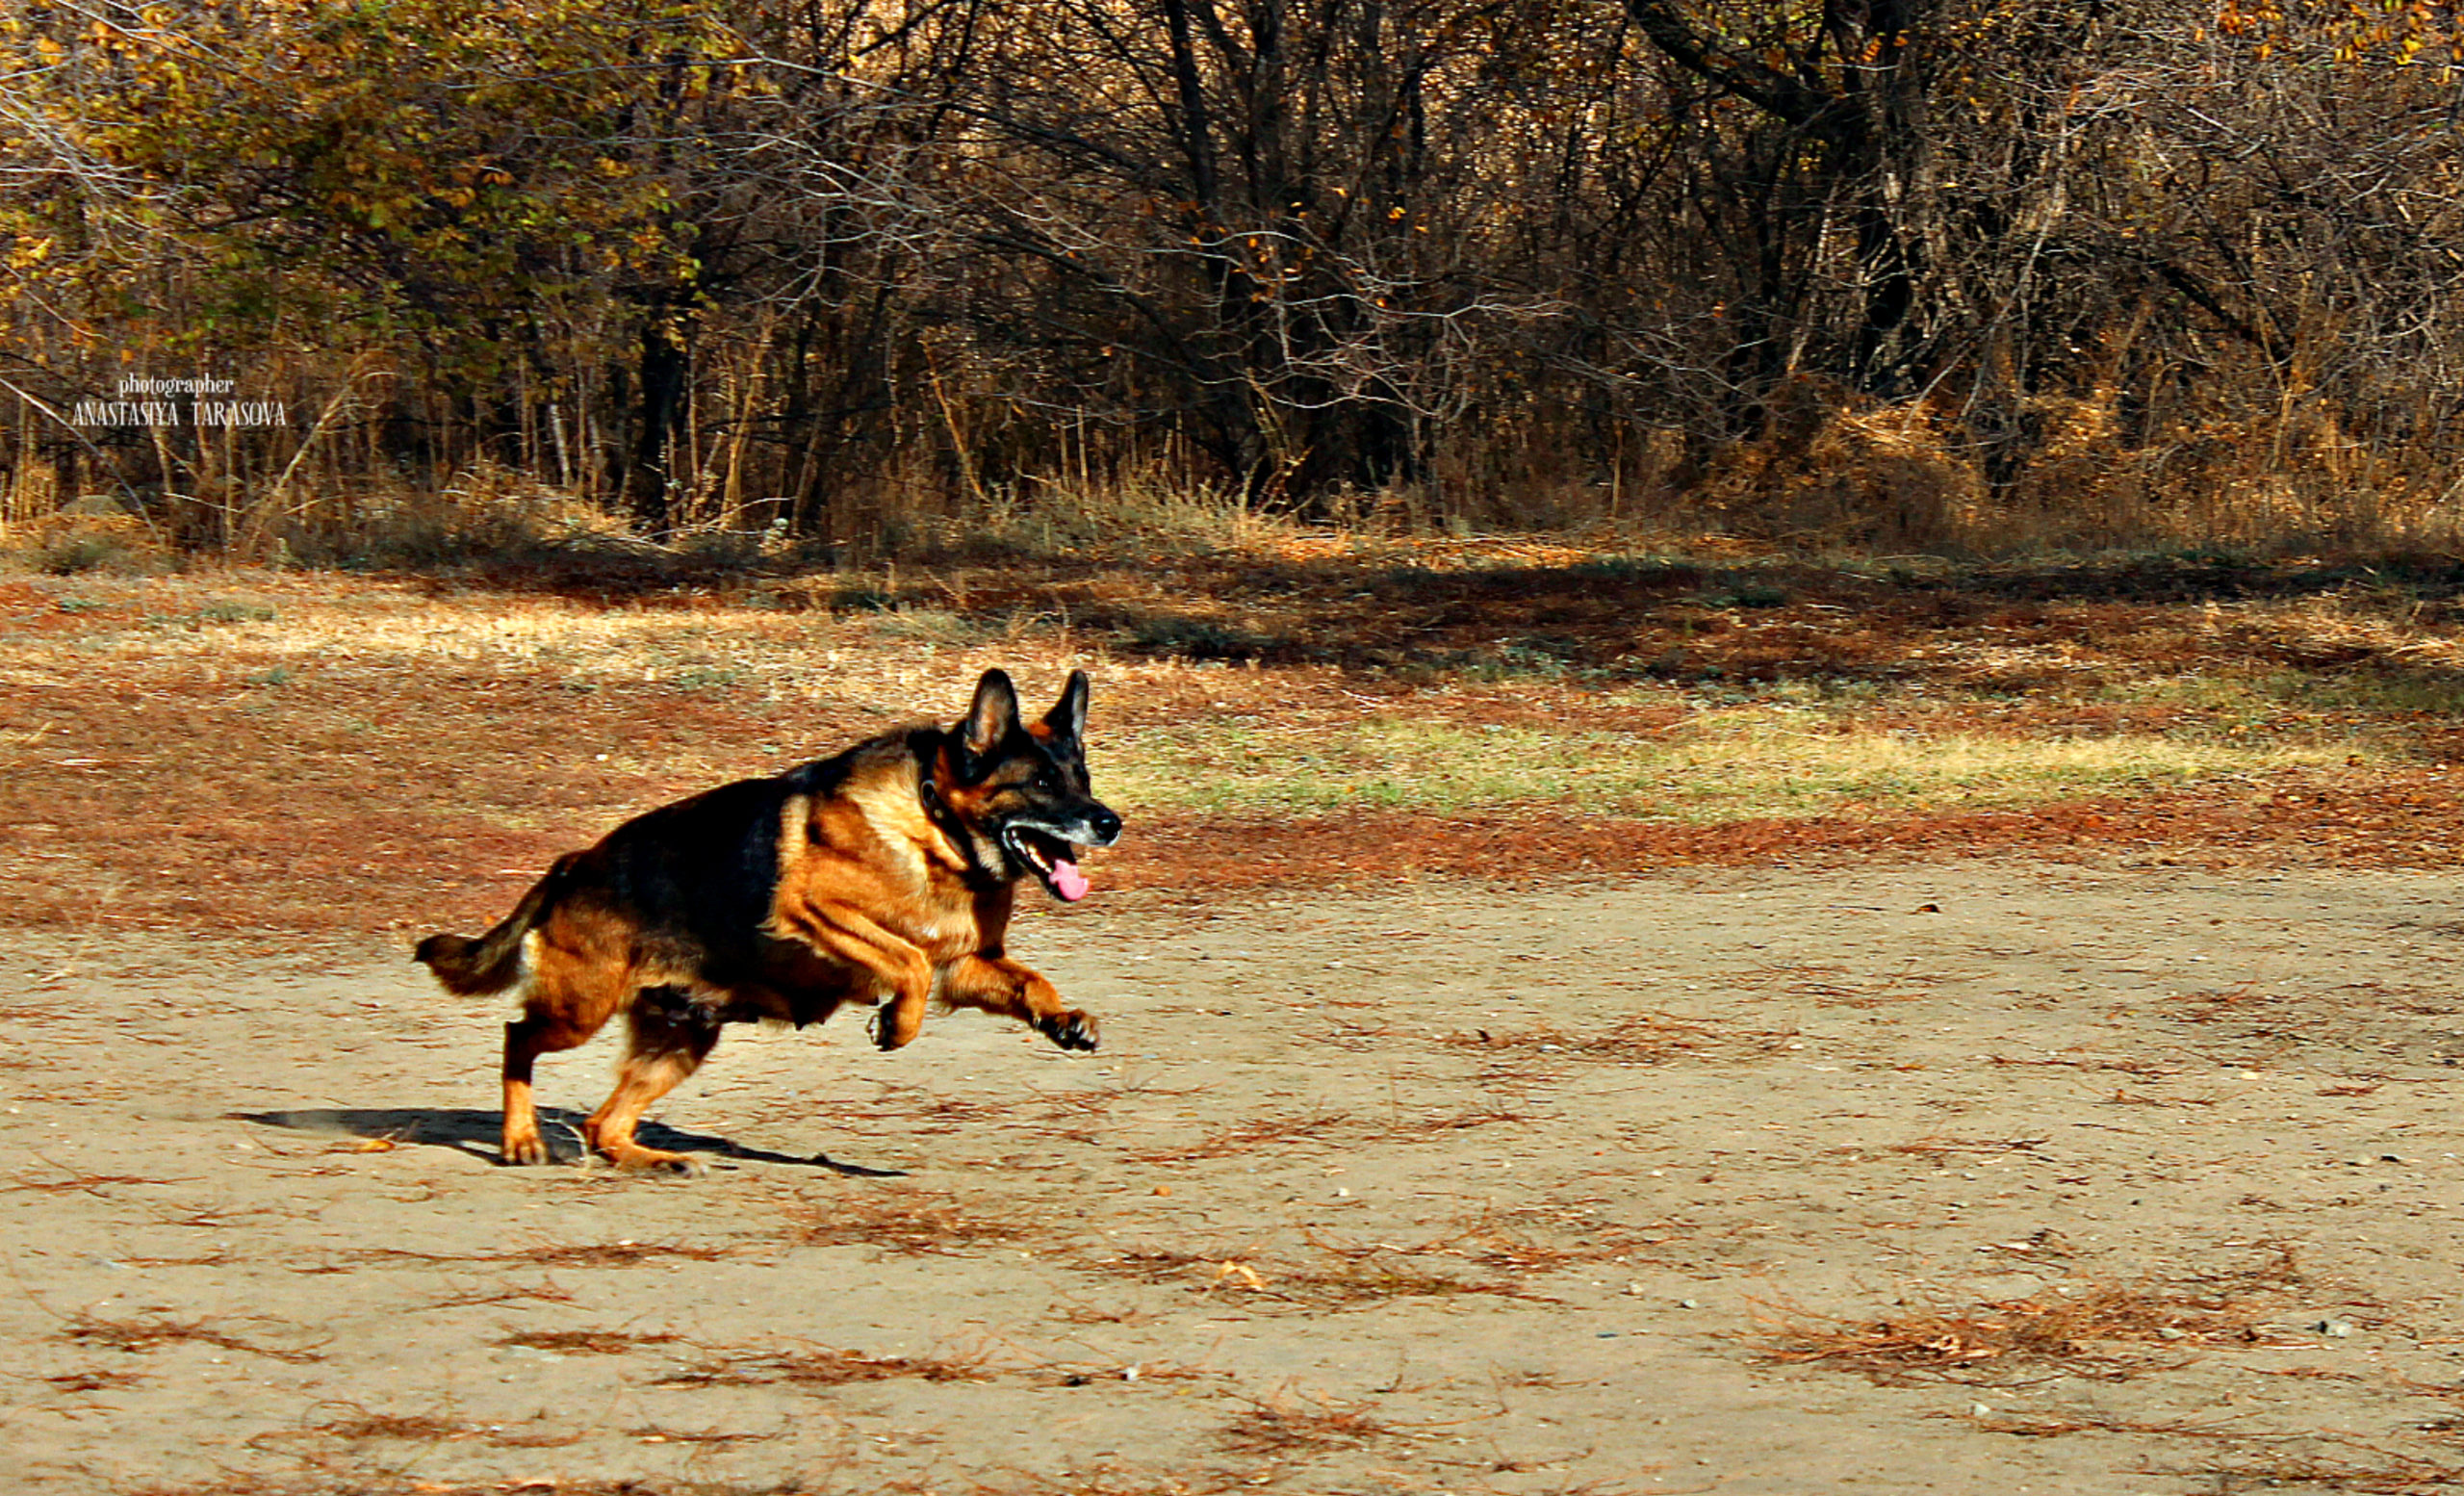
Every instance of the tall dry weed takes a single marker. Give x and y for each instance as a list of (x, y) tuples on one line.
[(1833, 472), (2069, 472), (1830, 471)]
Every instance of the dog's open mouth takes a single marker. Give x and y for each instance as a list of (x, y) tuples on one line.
[(1050, 859)]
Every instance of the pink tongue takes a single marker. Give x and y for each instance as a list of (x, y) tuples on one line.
[(1067, 881)]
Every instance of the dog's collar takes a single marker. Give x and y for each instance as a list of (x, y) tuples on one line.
[(928, 793)]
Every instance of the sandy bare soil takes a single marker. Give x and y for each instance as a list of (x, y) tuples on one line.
[(1968, 1178)]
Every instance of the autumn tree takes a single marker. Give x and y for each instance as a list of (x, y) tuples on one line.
[(840, 268)]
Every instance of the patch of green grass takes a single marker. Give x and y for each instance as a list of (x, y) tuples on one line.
[(1724, 765), (708, 678), (233, 611), (2372, 691), (85, 551), (1744, 595), (1747, 762), (1199, 638), (929, 626), (2275, 693), (855, 597)]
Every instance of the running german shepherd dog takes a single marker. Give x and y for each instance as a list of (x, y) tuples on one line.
[(884, 875)]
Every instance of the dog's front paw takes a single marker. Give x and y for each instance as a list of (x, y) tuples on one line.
[(1071, 1030), (896, 1026)]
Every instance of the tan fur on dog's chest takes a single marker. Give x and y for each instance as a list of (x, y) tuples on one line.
[(872, 848)]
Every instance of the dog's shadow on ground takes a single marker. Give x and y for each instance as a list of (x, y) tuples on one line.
[(465, 1130)]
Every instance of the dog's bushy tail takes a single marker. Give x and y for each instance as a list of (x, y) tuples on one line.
[(493, 961)]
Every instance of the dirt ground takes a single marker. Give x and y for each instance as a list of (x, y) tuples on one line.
[(1984, 1176)]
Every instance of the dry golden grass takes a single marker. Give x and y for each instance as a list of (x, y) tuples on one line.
[(151, 1333), (355, 1484), (1330, 1274), (905, 1219), (360, 1425), (2366, 1472), (1252, 1135), (275, 749), (583, 1342), (1548, 1239), (1102, 1480), (84, 1184), (92, 1380), (2096, 1329), (590, 1254), (819, 1366), (1637, 1039), (1288, 1427)]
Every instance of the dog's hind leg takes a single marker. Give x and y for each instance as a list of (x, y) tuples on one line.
[(671, 1035), (566, 998), (526, 1039)]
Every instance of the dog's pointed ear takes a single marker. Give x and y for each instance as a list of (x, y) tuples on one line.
[(1067, 718), (994, 713)]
